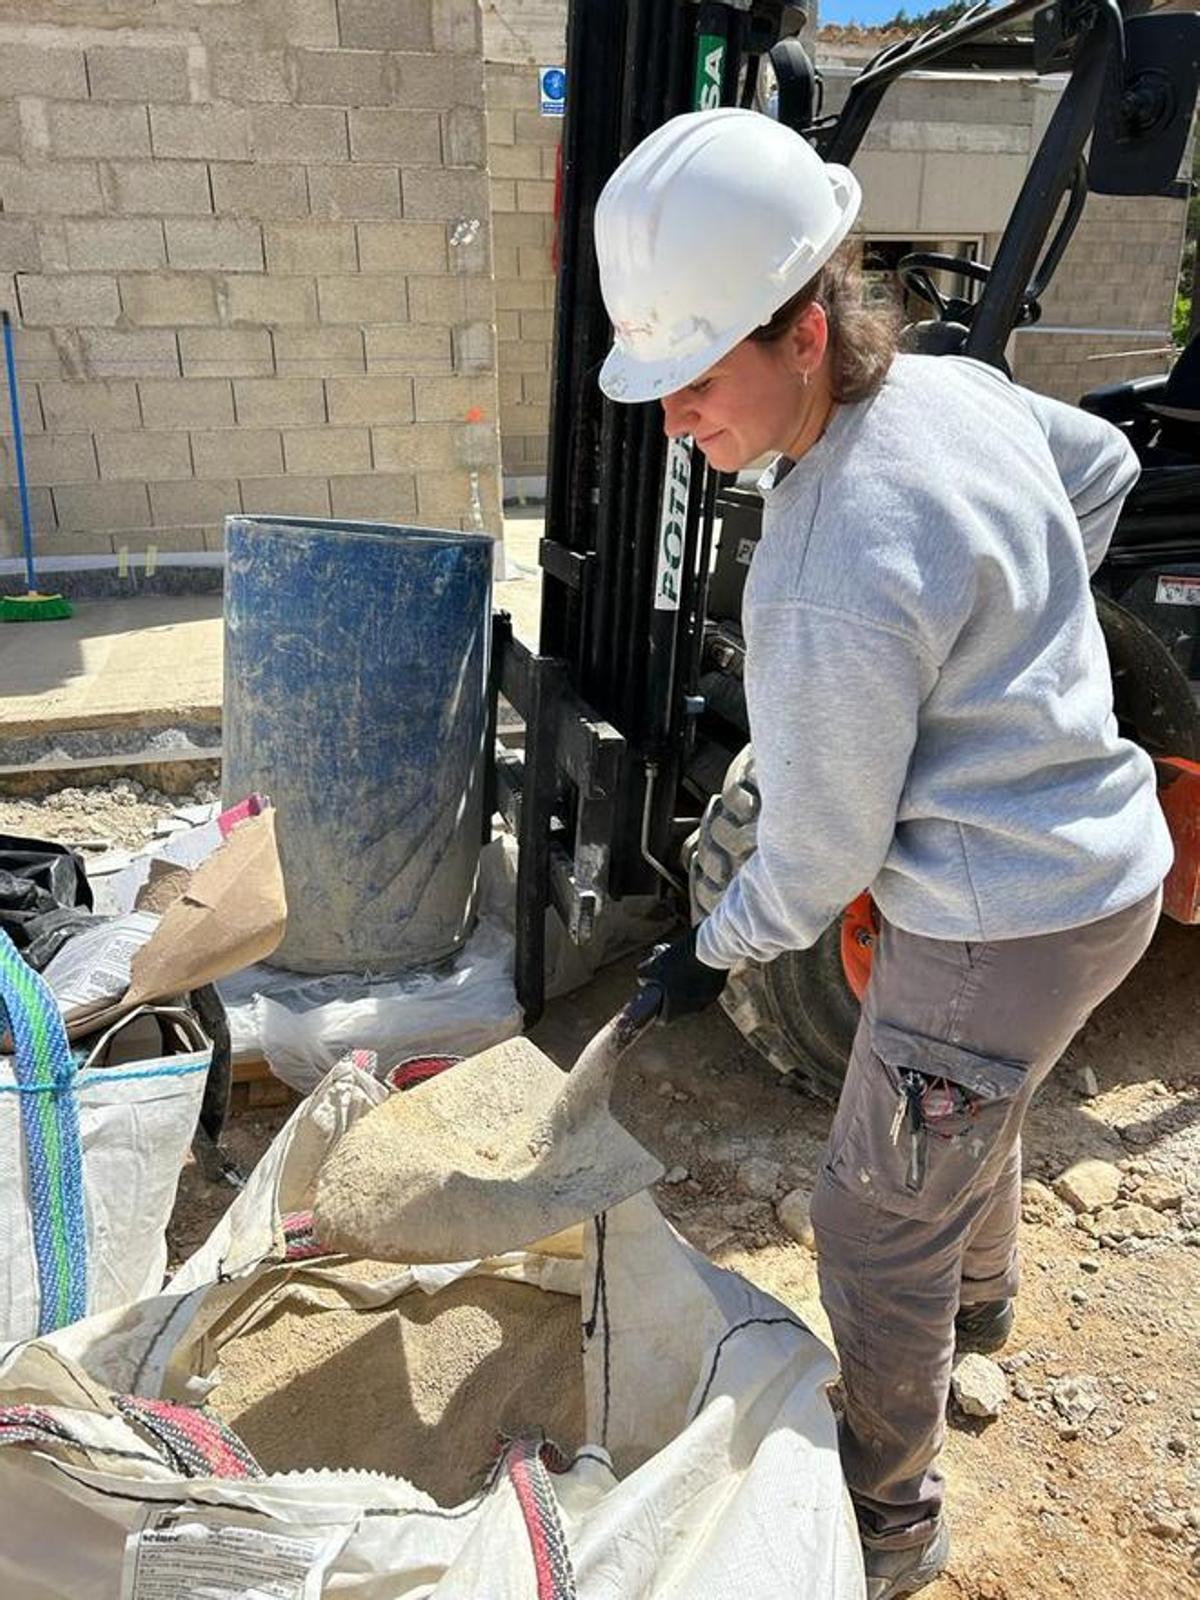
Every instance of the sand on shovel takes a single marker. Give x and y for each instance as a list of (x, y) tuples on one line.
[(493, 1155), (421, 1389)]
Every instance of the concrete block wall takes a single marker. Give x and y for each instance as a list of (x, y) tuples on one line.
[(522, 152), (248, 252)]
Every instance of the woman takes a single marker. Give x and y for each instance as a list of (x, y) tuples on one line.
[(931, 712)]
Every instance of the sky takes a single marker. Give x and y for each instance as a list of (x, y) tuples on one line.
[(867, 11)]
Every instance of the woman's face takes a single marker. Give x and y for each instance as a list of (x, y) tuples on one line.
[(753, 402)]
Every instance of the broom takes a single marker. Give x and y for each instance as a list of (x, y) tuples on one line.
[(31, 606)]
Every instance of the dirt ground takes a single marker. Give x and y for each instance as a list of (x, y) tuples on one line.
[(1046, 1501), (1042, 1506)]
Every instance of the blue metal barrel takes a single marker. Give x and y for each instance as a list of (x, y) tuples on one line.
[(356, 670)]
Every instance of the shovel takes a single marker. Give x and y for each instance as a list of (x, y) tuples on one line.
[(500, 1152)]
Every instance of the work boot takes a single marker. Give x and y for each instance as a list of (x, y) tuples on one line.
[(892, 1574), (983, 1327)]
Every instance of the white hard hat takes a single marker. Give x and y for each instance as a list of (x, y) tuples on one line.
[(704, 230)]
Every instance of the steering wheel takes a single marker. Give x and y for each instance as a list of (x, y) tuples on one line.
[(916, 274)]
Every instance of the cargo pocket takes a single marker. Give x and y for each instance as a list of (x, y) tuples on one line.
[(926, 1116)]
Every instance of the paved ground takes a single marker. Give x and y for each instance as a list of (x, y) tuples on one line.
[(150, 661)]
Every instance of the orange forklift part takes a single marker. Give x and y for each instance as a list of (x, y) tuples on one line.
[(1179, 796), (860, 925)]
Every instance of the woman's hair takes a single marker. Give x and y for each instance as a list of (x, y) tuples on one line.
[(862, 338)]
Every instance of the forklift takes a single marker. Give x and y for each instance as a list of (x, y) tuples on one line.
[(636, 776)]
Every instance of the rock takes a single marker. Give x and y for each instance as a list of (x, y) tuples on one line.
[(677, 1175), (1089, 1264), (1089, 1186), (1160, 1194), (1089, 1084), (1039, 1203), (979, 1386), (1164, 1524), (1132, 1221), (794, 1217), (1075, 1398), (759, 1176)]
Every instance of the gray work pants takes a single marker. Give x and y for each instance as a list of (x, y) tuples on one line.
[(917, 1205)]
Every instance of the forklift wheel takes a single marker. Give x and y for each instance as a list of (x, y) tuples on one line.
[(799, 1010)]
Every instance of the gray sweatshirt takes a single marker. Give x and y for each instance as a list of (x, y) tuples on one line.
[(928, 688)]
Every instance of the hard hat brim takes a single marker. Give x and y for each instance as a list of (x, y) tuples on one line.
[(630, 381)]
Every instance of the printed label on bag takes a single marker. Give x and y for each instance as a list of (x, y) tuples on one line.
[(1178, 592), (213, 1556)]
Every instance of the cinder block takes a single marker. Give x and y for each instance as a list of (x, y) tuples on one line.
[(501, 128), (279, 400), (533, 261), (407, 349), (450, 300), (521, 294), (208, 133), (517, 230), (509, 387), (341, 78), (530, 127), (312, 23), (457, 26), (10, 128), (271, 301), (139, 72), (286, 497), (226, 352), (421, 448), (503, 194), (248, 76), (516, 161), (537, 327), (52, 458), (157, 188), (129, 353), (102, 507), (242, 189), (474, 346), (375, 497), (237, 453), (41, 508), (19, 250), (115, 245), (299, 133), (310, 247), (330, 451), (518, 356), (90, 130), (370, 399), (436, 82), (167, 300), (504, 260), (318, 352), (470, 246), (535, 388), (409, 138), (455, 399), (90, 300), (511, 88), (363, 299), (464, 138), (535, 196), (54, 189), (214, 244), (385, 24), (194, 504), (354, 191), (445, 194), (143, 456), (445, 497), (187, 403), (83, 406), (46, 71), (402, 246)]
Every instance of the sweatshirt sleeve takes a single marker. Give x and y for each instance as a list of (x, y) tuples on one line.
[(1097, 464), (833, 706)]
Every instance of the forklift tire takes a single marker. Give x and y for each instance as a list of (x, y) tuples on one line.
[(798, 1010)]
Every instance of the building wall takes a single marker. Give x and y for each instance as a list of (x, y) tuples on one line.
[(522, 152), (248, 251)]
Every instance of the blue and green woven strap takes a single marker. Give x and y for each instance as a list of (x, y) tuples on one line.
[(44, 1070)]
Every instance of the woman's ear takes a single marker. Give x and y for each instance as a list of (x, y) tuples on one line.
[(807, 340)]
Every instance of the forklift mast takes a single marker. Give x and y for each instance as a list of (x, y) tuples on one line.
[(607, 787)]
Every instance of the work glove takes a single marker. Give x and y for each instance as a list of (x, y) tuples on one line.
[(687, 984)]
